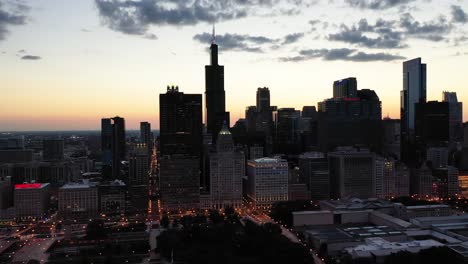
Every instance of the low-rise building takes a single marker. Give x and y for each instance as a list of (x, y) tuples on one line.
[(78, 201), (31, 200)]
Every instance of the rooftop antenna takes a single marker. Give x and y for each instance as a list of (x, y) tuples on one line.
[(213, 36)]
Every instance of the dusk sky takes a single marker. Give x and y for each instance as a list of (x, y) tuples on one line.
[(66, 64)]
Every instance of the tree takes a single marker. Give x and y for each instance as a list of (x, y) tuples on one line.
[(96, 230), (165, 221)]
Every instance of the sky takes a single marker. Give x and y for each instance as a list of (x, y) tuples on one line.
[(64, 65)]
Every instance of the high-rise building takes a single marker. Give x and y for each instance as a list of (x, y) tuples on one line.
[(227, 167), (263, 100), (146, 137), (391, 137), (346, 88), (385, 178), (421, 181), (267, 181), (12, 143), (179, 183), (6, 192), (180, 122), (455, 116), (113, 146), (414, 91), (352, 173), (446, 182), (402, 180), (432, 125), (31, 200), (438, 157), (52, 149), (138, 165), (313, 166), (287, 131), (215, 97), (350, 121)]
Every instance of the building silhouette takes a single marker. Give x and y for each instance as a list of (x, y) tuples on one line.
[(215, 97), (345, 88), (414, 91), (113, 146), (180, 122), (52, 149)]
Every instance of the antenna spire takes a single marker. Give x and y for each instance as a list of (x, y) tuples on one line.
[(213, 36)]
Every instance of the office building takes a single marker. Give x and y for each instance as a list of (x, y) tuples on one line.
[(421, 182), (12, 143), (346, 88), (146, 136), (6, 192), (113, 146), (264, 113), (180, 122), (179, 183), (139, 167), (402, 180), (15, 155), (414, 91), (215, 97), (31, 200), (455, 117), (432, 125), (78, 201), (391, 137), (267, 181), (385, 178), (52, 149), (287, 138), (350, 121), (445, 182), (352, 173), (112, 197), (227, 167), (438, 157), (313, 167)]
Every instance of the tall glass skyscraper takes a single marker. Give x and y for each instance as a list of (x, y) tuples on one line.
[(414, 91)]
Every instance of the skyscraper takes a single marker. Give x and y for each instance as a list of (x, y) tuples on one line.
[(414, 91), (227, 167), (215, 97), (455, 116), (287, 131), (313, 166), (146, 135), (180, 122), (138, 165), (346, 88), (113, 146), (352, 173), (263, 99)]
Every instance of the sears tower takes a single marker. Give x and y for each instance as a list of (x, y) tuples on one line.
[(215, 96)]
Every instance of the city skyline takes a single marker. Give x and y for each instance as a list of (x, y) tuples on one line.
[(68, 76)]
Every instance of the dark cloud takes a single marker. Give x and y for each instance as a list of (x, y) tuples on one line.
[(21, 51), (377, 4), (292, 38), (31, 57), (434, 30), (343, 54), (135, 17), (236, 42), (458, 15), (243, 42), (12, 15), (386, 37)]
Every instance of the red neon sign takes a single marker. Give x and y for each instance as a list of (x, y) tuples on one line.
[(28, 186)]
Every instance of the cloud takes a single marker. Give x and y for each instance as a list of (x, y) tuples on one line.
[(377, 4), (135, 17), (458, 15), (292, 38), (343, 54), (248, 43), (236, 42), (434, 30), (31, 57), (13, 14), (386, 37)]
